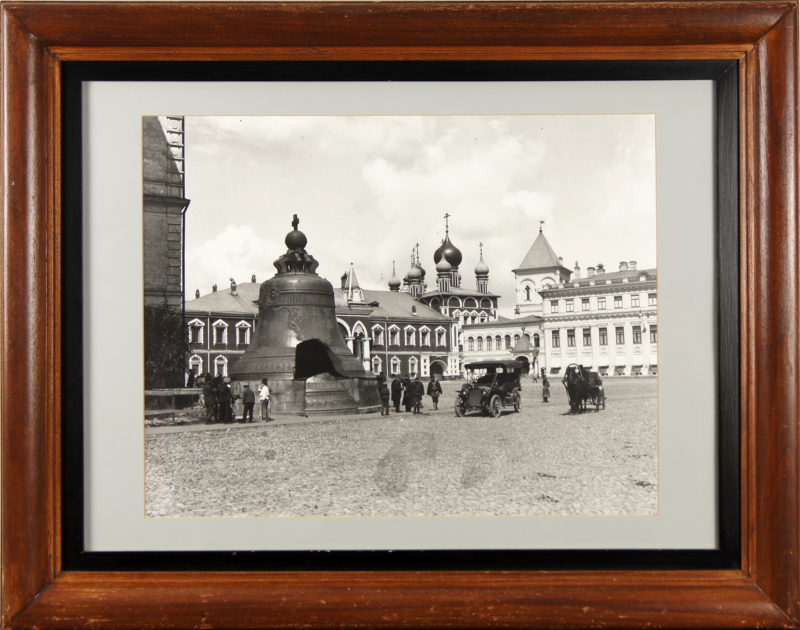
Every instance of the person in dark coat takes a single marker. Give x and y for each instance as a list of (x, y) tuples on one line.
[(434, 391), (407, 393), (545, 389), (397, 393), (226, 402), (417, 392), (383, 390), (249, 402), (209, 399)]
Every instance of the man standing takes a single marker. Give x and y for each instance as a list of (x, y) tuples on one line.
[(383, 389), (434, 391), (397, 393), (417, 392), (249, 401), (263, 396)]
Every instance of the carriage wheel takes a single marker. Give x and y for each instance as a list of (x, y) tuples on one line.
[(518, 401), (460, 407), (495, 406)]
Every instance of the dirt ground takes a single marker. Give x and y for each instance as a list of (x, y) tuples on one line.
[(539, 461)]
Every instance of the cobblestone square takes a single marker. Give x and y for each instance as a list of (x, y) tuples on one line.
[(537, 462)]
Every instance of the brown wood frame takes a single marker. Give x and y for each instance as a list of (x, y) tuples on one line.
[(38, 36)]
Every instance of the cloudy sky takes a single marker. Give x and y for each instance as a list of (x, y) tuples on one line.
[(367, 188)]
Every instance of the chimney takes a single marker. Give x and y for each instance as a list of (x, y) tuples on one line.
[(576, 272), (344, 280), (561, 260), (214, 288), (589, 271), (233, 286), (196, 293), (600, 268), (253, 278), (623, 266), (632, 265)]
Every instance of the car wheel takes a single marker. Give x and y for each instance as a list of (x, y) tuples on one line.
[(495, 406), (460, 407)]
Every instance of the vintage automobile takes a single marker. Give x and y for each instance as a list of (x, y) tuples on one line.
[(491, 386)]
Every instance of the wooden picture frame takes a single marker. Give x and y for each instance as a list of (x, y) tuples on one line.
[(761, 36)]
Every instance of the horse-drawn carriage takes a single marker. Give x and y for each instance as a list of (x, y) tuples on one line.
[(584, 387)]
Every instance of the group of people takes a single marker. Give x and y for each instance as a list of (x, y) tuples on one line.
[(218, 399), (408, 393)]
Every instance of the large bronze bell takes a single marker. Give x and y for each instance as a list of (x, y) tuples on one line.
[(297, 345)]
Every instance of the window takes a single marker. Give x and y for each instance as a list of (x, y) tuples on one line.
[(634, 301), (652, 300), (377, 335), (411, 336), (620, 332), (395, 365), (637, 334), (479, 343), (584, 304), (556, 339), (196, 365), (470, 344), (412, 366), (376, 365), (424, 337), (498, 343), (507, 342), (516, 339), (242, 334), (536, 340), (488, 343), (617, 301), (587, 336), (394, 336), (653, 334), (603, 334), (484, 317), (570, 305), (527, 294), (554, 306), (440, 337), (219, 335), (570, 337), (220, 366), (195, 328), (601, 304)]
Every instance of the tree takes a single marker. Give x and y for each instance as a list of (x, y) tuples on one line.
[(165, 347)]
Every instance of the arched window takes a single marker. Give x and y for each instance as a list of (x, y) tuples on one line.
[(488, 343), (196, 365), (484, 317), (395, 365), (498, 342), (516, 339), (220, 366), (507, 341), (376, 365), (470, 344), (480, 343), (527, 294), (412, 367), (536, 340)]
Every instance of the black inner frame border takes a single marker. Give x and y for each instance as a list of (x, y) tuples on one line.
[(724, 74)]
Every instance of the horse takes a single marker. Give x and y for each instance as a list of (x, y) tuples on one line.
[(583, 385)]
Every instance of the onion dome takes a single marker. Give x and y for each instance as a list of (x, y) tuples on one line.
[(481, 269), (449, 252), (443, 266), (415, 273), (394, 281)]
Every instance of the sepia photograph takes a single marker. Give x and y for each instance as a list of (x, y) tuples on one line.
[(400, 316)]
